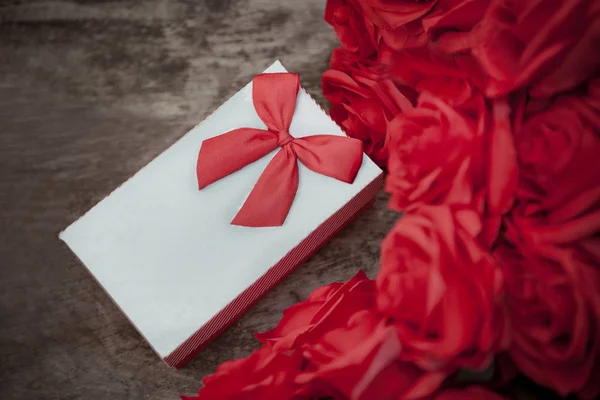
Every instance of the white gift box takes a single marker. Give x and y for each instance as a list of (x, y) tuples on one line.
[(167, 254)]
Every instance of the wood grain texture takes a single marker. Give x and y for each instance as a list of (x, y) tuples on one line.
[(91, 91)]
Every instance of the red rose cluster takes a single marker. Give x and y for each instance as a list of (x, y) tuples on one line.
[(334, 345), (486, 114)]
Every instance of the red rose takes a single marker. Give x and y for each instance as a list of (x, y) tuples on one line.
[(450, 23), (347, 348), (391, 14), (441, 155), (399, 21), (442, 289), (470, 393), (356, 33), (272, 371), (327, 308), (552, 259), (553, 289), (263, 375), (411, 35), (558, 150), (425, 70), (543, 45), (348, 351), (443, 25), (363, 101), (362, 360)]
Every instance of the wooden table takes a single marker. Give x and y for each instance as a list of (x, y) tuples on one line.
[(91, 91)]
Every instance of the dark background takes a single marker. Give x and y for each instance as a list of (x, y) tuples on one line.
[(91, 91)]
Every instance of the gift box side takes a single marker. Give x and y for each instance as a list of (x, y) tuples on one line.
[(298, 255)]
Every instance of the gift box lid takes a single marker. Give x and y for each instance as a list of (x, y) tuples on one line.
[(166, 252)]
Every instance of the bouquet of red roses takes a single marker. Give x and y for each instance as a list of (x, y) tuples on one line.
[(486, 114)]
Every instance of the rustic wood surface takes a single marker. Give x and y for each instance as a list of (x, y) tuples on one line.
[(91, 91)]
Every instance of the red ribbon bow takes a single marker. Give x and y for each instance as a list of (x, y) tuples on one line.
[(274, 98)]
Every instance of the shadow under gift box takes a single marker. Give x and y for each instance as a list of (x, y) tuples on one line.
[(166, 253)]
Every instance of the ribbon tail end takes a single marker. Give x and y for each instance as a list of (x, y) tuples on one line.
[(240, 220)]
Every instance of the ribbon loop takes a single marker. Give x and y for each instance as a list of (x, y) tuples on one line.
[(224, 154), (269, 202), (274, 98), (334, 156)]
